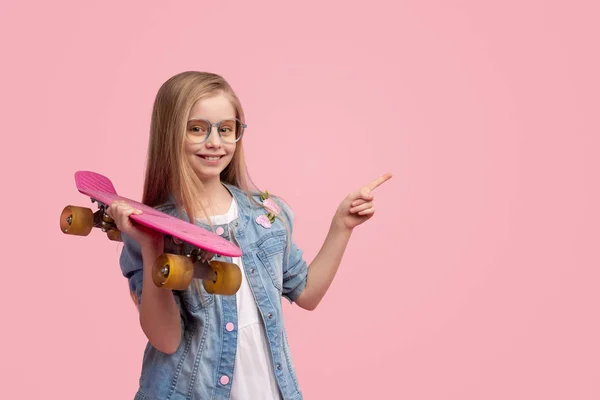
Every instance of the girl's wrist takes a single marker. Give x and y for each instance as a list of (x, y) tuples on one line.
[(338, 227), (152, 242), (151, 250)]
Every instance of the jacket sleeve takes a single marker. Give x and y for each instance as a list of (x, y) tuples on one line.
[(295, 268), (132, 266)]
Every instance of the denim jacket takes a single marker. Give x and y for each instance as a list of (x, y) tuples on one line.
[(203, 365)]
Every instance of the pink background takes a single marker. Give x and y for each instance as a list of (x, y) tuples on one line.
[(478, 276)]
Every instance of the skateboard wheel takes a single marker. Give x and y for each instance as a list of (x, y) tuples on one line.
[(173, 272), (228, 279), (114, 235), (76, 220)]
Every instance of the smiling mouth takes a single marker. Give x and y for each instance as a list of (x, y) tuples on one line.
[(210, 158)]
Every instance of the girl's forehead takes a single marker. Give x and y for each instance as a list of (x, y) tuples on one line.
[(214, 108)]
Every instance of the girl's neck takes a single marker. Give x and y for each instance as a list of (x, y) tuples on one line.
[(212, 186), (215, 199)]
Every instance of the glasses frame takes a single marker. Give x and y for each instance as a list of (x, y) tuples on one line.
[(218, 125)]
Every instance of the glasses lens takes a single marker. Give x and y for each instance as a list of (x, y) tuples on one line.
[(198, 130), (231, 130)]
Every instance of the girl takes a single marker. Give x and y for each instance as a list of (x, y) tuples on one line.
[(205, 346)]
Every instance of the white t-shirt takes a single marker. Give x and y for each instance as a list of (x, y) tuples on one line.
[(253, 376)]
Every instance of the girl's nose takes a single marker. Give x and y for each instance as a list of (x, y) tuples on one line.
[(214, 140)]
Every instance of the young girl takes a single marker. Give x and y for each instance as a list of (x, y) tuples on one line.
[(205, 346)]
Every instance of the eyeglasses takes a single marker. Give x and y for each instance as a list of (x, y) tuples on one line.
[(229, 130)]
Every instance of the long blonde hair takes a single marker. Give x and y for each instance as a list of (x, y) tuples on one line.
[(168, 172)]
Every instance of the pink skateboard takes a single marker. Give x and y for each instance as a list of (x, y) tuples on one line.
[(185, 243)]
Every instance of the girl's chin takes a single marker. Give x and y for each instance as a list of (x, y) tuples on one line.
[(206, 174)]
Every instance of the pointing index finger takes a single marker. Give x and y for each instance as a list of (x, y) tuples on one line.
[(377, 182)]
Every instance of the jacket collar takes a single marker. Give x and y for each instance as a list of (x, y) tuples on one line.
[(241, 198)]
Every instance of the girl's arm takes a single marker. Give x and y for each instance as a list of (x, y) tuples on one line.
[(323, 268), (356, 208), (159, 313)]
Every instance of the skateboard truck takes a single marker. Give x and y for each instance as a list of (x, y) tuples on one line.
[(103, 221), (181, 262)]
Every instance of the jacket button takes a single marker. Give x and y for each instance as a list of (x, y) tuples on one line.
[(229, 327), (270, 316), (251, 270), (224, 380), (220, 231), (279, 366)]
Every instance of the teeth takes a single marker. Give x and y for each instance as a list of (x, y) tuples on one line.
[(212, 158)]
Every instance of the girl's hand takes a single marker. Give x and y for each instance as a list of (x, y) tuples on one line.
[(120, 211), (358, 206)]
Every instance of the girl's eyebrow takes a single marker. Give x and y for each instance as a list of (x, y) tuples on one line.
[(205, 119)]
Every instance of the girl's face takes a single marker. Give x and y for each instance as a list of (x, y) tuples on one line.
[(209, 158)]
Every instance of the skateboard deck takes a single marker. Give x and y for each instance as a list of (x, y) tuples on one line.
[(184, 241), (101, 189)]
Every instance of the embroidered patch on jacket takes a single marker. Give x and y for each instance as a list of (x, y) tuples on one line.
[(273, 209)]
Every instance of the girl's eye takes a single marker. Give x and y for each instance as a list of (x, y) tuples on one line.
[(196, 129)]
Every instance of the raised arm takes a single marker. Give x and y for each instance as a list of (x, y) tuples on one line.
[(355, 209)]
